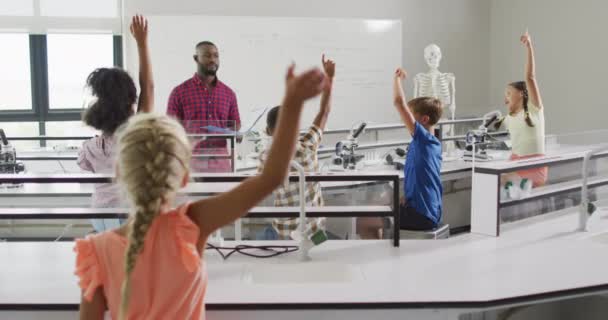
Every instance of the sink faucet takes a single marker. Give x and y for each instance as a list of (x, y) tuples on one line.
[(305, 244), (587, 208), (304, 234)]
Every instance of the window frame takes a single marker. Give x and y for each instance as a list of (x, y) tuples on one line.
[(41, 111)]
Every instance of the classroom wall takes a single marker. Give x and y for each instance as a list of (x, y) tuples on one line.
[(571, 48), (460, 27)]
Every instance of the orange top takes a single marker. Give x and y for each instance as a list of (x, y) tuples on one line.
[(169, 279)]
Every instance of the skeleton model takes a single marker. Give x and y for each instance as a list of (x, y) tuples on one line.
[(434, 83)]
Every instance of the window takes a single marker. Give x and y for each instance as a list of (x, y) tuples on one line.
[(51, 46), (21, 129), (48, 16), (15, 78), (71, 58), (23, 8), (44, 85), (68, 128)]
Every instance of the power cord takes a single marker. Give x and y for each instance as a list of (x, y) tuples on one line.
[(270, 251)]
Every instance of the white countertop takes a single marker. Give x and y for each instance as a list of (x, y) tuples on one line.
[(554, 155), (86, 190), (532, 258)]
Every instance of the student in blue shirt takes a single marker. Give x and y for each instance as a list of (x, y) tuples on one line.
[(421, 207)]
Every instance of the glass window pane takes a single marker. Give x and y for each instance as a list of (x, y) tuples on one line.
[(15, 78), (68, 128), (21, 129), (16, 8), (71, 58), (79, 8)]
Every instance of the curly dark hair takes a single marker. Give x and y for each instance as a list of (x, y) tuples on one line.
[(116, 93)]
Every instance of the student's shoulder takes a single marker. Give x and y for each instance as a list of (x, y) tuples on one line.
[(97, 241), (312, 137), (98, 144), (91, 145), (314, 130), (420, 132)]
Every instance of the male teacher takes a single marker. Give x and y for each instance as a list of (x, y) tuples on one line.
[(203, 101)]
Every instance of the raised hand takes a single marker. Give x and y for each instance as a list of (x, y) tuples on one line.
[(400, 101), (525, 39), (139, 28), (398, 94), (400, 74), (305, 85), (530, 72), (329, 66)]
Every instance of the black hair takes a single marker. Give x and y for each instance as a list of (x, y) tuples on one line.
[(116, 93), (205, 43), (271, 119), (523, 88)]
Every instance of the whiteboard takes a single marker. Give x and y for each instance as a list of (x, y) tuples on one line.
[(255, 53)]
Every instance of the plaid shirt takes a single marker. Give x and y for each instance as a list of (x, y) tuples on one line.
[(288, 195), (197, 106)]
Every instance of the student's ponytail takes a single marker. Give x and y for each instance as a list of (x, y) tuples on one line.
[(521, 86), (153, 159), (526, 111)]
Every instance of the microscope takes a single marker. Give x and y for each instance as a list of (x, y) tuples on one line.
[(478, 140), (345, 149), (8, 159), (393, 156)]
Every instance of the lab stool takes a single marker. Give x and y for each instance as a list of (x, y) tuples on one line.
[(441, 232)]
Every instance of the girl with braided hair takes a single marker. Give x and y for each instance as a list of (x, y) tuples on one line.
[(152, 267), (115, 98), (526, 119)]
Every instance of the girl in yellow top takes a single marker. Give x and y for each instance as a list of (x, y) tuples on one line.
[(526, 119)]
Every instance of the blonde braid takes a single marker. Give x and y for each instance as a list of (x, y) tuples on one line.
[(153, 159)]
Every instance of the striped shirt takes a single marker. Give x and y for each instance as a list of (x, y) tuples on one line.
[(288, 194)]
